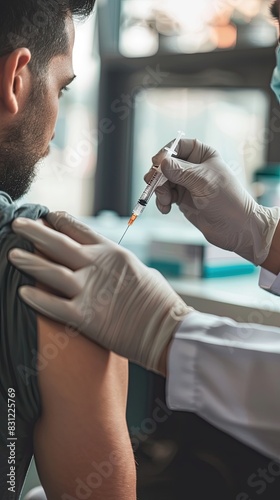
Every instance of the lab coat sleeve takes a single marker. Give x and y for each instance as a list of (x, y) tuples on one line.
[(269, 282), (228, 373)]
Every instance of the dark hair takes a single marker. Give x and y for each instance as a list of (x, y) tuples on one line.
[(38, 25), (274, 10)]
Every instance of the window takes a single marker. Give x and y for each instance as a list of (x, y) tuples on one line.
[(220, 95), (232, 121), (177, 26)]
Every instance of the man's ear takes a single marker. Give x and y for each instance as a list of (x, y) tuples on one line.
[(13, 78)]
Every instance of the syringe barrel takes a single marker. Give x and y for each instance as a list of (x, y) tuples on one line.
[(156, 179), (150, 189), (138, 209)]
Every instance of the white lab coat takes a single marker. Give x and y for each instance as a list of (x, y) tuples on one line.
[(229, 374)]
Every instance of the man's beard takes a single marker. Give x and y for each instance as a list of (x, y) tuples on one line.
[(20, 151)]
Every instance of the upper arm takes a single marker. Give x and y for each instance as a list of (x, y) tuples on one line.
[(81, 441)]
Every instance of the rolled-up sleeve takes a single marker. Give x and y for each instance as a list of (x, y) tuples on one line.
[(229, 374), (18, 354)]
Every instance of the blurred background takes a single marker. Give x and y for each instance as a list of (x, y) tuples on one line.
[(146, 69)]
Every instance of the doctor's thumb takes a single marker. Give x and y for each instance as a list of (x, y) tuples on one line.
[(178, 171)]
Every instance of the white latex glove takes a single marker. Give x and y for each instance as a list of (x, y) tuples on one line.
[(212, 198), (111, 296)]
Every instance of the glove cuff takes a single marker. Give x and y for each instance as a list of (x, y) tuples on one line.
[(260, 229), (168, 322)]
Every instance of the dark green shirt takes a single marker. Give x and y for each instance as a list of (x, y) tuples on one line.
[(18, 357)]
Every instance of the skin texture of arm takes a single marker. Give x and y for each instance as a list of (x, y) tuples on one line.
[(81, 442)]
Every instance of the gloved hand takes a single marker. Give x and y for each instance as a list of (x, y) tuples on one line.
[(111, 296), (212, 198)]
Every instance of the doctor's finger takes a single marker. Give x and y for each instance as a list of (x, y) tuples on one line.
[(166, 195), (51, 243), (164, 209), (53, 307), (74, 229), (57, 277)]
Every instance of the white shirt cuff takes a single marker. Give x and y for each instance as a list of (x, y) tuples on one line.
[(181, 375), (269, 282)]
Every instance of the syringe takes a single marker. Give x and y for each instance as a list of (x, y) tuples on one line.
[(156, 179)]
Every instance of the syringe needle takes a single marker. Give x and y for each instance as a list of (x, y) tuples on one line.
[(130, 222), (123, 235)]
